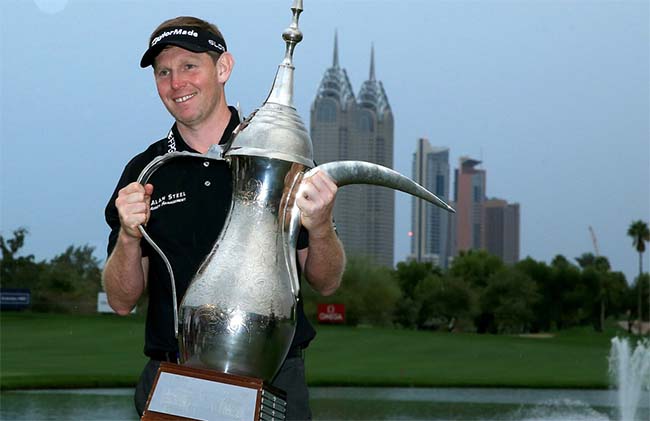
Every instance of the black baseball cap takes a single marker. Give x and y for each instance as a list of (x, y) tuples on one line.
[(188, 37)]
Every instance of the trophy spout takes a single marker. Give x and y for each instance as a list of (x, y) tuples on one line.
[(360, 172)]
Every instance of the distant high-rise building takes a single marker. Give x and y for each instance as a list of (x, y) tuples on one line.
[(469, 196), (451, 234), (343, 127), (431, 229), (502, 229)]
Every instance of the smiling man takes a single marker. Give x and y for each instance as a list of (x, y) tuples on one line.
[(186, 204)]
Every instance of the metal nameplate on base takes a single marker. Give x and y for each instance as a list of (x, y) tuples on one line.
[(185, 393)]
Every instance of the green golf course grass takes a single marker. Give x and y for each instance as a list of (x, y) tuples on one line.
[(63, 351)]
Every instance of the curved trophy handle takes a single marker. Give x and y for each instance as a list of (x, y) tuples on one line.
[(291, 214), (360, 172), (215, 154)]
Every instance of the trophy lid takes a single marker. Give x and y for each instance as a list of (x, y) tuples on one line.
[(275, 130)]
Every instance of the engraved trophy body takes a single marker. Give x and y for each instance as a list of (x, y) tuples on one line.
[(238, 315)]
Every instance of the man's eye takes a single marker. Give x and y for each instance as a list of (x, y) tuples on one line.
[(163, 73), (190, 66)]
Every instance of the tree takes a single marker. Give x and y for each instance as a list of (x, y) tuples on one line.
[(565, 278), (641, 287), (510, 298), (70, 282), (368, 291), (615, 293), (18, 271), (380, 294), (443, 300), (475, 267), (408, 275), (640, 233), (595, 275), (548, 308)]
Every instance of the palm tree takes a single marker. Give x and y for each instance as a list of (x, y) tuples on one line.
[(640, 233)]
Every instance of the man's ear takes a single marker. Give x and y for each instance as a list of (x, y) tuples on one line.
[(224, 67)]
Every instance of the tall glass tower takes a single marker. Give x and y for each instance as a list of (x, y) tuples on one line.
[(469, 197), (344, 127), (502, 229), (431, 226)]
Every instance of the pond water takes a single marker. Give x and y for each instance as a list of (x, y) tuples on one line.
[(333, 403)]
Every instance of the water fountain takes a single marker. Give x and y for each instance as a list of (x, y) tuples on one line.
[(630, 372), (628, 400)]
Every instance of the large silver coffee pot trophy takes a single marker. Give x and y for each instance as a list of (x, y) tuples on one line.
[(238, 315)]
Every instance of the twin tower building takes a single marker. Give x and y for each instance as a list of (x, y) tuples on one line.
[(345, 126)]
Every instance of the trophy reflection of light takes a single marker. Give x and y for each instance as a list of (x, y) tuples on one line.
[(236, 321)]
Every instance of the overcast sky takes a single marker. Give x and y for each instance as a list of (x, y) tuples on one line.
[(552, 96)]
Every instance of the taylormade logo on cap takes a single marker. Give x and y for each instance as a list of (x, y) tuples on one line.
[(193, 39), (215, 44), (189, 33)]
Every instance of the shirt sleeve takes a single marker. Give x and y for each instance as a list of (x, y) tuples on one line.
[(303, 238)]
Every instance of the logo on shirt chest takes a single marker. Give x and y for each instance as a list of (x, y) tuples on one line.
[(168, 199)]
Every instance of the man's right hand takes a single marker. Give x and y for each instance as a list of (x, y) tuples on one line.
[(133, 205)]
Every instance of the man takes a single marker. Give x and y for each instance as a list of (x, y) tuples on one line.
[(185, 205)]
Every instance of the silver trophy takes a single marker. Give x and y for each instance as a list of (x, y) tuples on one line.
[(238, 315)]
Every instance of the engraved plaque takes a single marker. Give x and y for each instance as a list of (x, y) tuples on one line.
[(184, 393)]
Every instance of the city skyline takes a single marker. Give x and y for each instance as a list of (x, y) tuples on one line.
[(481, 221), (551, 96)]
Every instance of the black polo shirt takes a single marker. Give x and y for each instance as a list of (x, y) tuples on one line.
[(189, 204)]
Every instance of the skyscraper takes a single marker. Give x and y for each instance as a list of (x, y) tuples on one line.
[(343, 127), (502, 229), (431, 235), (469, 194)]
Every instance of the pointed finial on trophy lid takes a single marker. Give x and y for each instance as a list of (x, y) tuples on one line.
[(282, 90), (275, 130), (292, 34)]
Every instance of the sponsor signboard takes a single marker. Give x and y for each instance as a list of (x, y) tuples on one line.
[(15, 298), (331, 313)]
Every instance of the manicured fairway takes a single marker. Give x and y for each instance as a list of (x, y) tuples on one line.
[(383, 357), (52, 350)]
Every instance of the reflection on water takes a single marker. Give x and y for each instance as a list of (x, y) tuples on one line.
[(565, 409), (468, 404), (73, 404), (333, 403)]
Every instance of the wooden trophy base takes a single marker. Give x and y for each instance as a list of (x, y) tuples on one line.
[(184, 393)]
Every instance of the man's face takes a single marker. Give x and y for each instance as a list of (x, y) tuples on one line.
[(188, 85)]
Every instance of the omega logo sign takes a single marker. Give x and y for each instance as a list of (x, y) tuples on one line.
[(331, 313)]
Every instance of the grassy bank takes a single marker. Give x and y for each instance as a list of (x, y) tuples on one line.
[(573, 359), (52, 350), (55, 350)]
